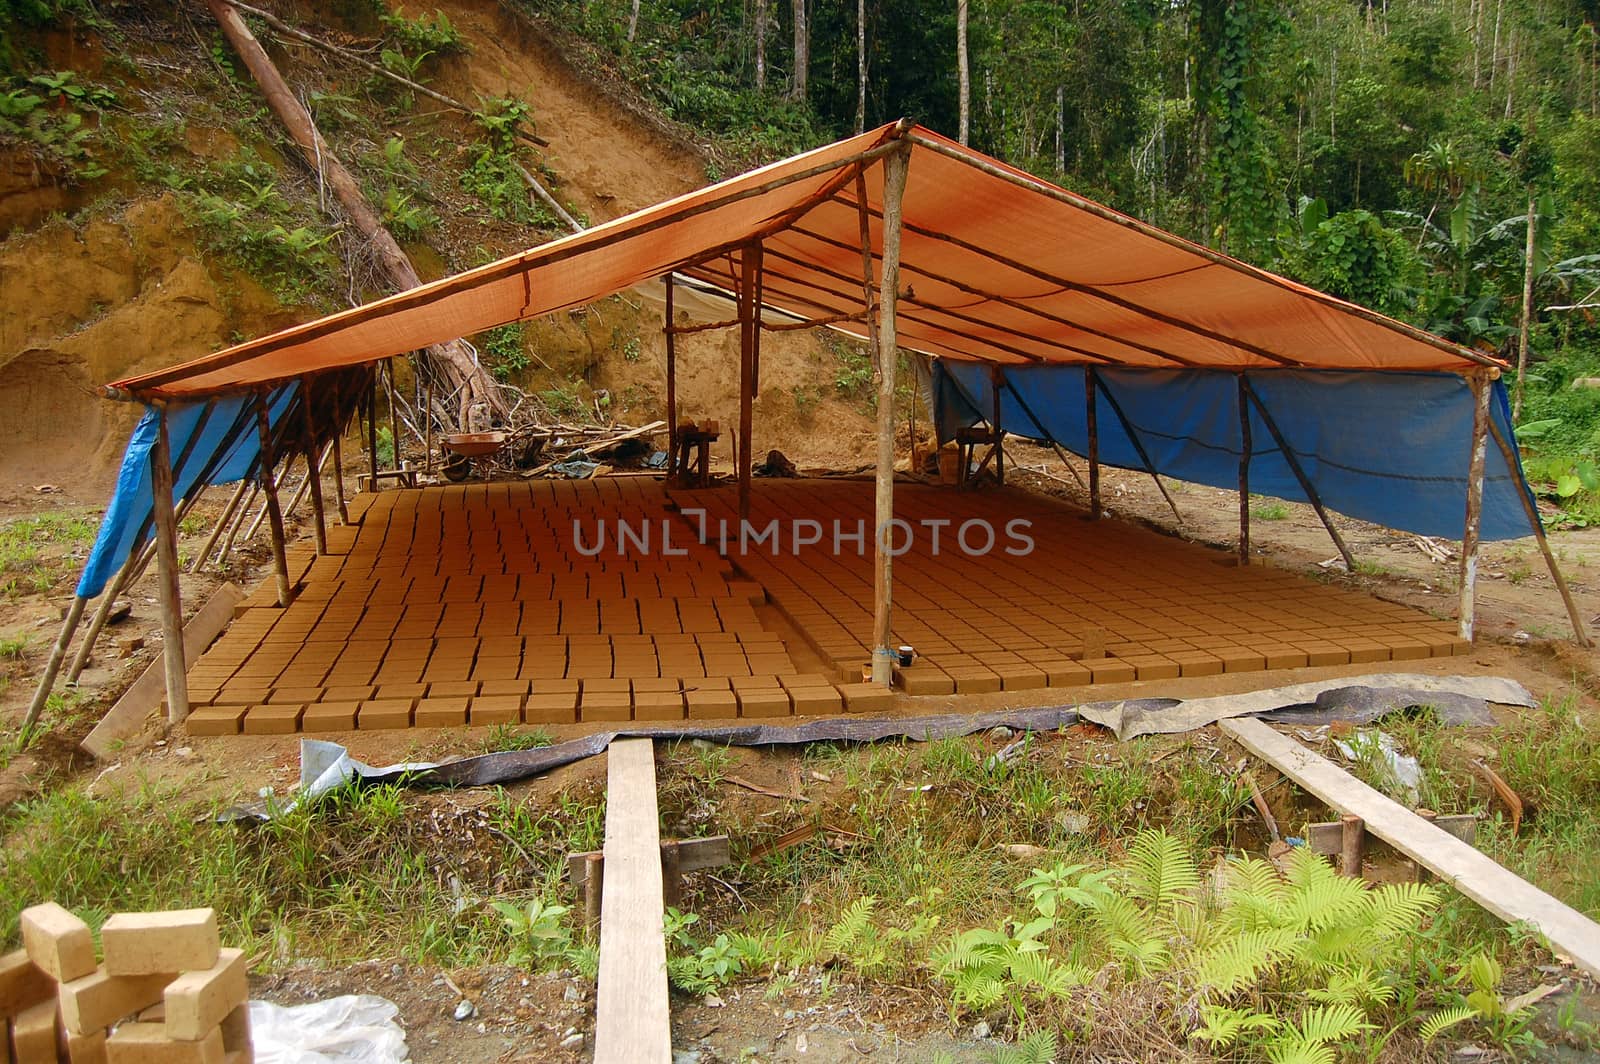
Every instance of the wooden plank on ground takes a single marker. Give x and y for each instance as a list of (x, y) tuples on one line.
[(1480, 878), (127, 717), (631, 1023)]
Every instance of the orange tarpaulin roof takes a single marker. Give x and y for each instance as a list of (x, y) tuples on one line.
[(996, 266)]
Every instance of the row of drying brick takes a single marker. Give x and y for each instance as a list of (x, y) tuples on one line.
[(165, 992), (592, 704)]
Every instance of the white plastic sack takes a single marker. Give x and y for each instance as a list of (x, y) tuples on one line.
[(354, 1029)]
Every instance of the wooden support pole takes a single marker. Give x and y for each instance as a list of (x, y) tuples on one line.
[(593, 888), (888, 354), (394, 410), (281, 477), (1138, 445), (427, 421), (1092, 427), (1579, 631), (1353, 845), (1244, 475), (1300, 474), (244, 512), (631, 1022), (338, 454), (269, 488), (308, 437), (995, 378), (749, 338), (177, 669), (672, 382), (372, 430), (57, 653), (222, 524), (1466, 608)]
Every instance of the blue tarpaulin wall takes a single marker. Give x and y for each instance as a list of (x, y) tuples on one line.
[(214, 442), (1392, 448)]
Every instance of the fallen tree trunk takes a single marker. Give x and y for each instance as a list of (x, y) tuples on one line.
[(454, 359)]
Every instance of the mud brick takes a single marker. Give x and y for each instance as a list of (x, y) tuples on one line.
[(763, 702), (504, 687), (873, 697), (150, 943), (1322, 653), (302, 695), (495, 709), (754, 683), (712, 703), (656, 685), (148, 1043), (273, 720), (919, 680), (1280, 656), (215, 720), (1020, 677), (384, 713), (329, 716), (804, 679), (1067, 674), (607, 686), (561, 708), (605, 705), (198, 1001), (453, 689), (83, 1048), (96, 1001), (57, 942), (440, 712), (969, 679), (555, 685), (1240, 659), (236, 1041), (33, 1034), (1405, 648), (658, 705), (22, 983), (816, 701), (1107, 670)]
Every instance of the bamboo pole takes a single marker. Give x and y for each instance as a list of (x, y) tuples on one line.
[(261, 514), (1244, 475), (394, 409), (269, 488), (1529, 508), (427, 423), (223, 521), (233, 533), (338, 454), (372, 430), (995, 377), (749, 339), (1466, 607), (672, 384), (1138, 446), (1300, 475), (48, 680), (894, 186), (308, 436), (1092, 427), (177, 668)]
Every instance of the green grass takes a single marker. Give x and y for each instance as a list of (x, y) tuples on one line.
[(504, 737), (1269, 511), (31, 549)]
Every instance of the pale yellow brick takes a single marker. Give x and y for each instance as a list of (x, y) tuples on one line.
[(180, 940), (198, 1001), (84, 1048), (96, 1001), (57, 941), (147, 1043), (33, 1034), (22, 983)]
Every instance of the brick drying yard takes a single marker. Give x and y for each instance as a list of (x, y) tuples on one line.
[(509, 603)]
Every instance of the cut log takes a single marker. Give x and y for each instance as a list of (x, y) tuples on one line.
[(469, 380)]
